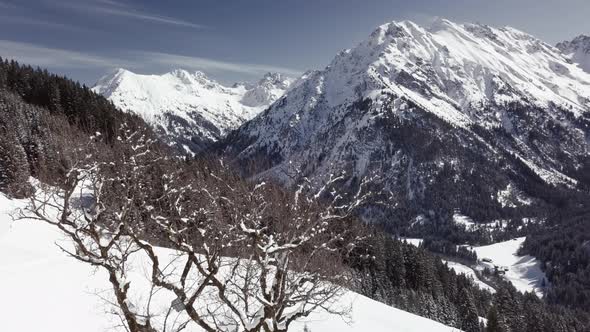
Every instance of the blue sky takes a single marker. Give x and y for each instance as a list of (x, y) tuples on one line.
[(239, 39)]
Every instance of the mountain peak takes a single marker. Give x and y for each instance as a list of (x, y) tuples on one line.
[(458, 66), (441, 24), (581, 41), (577, 50), (268, 89), (180, 72), (195, 78), (121, 71), (272, 77), (105, 84), (416, 109), (278, 80)]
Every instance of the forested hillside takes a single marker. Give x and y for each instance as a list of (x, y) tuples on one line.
[(45, 117)]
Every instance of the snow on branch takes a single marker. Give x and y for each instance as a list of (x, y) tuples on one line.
[(246, 256)]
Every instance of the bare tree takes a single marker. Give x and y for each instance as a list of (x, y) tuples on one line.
[(247, 256)]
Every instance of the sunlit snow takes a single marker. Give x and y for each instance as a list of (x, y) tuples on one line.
[(44, 290)]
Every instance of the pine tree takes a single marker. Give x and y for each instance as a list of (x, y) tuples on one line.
[(395, 263), (3, 76), (493, 324), (468, 312), (509, 309), (14, 173), (54, 97)]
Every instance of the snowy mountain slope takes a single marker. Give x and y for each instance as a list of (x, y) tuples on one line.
[(457, 267), (578, 50), (524, 272), (470, 273), (444, 117), (189, 108), (67, 293)]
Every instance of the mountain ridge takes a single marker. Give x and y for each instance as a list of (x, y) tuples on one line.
[(426, 109), (190, 110), (578, 50)]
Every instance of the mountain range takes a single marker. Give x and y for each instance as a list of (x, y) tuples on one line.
[(447, 119), (190, 110)]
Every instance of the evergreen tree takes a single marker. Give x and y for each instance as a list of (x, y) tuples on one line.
[(468, 312), (13, 167), (493, 324), (54, 96)]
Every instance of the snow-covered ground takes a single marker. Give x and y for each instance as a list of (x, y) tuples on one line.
[(524, 272), (44, 290), (470, 273), (413, 241), (471, 225)]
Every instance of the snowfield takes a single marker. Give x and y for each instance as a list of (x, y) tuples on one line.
[(458, 267), (524, 272), (413, 241), (44, 290), (470, 273)]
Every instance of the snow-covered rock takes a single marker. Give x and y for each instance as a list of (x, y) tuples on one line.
[(190, 109), (578, 50), (440, 116), (270, 88)]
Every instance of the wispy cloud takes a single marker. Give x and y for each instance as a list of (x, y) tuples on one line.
[(21, 20), (146, 17), (188, 62), (113, 3), (114, 8), (42, 56), (55, 58)]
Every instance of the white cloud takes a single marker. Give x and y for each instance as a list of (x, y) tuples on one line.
[(20, 20), (52, 57), (113, 8), (146, 17), (42, 56), (188, 62)]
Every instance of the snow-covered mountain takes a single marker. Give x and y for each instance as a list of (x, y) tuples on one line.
[(266, 91), (189, 109), (578, 50), (447, 117)]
